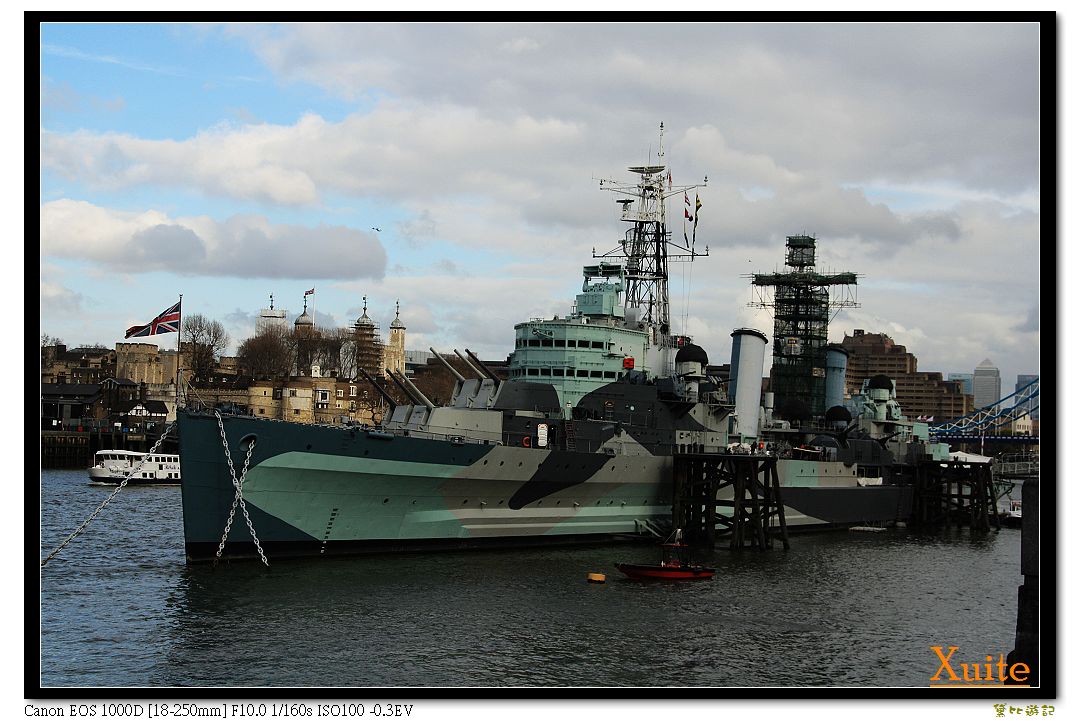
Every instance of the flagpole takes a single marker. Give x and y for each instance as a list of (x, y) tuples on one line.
[(179, 323)]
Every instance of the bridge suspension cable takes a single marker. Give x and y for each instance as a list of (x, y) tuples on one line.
[(997, 414)]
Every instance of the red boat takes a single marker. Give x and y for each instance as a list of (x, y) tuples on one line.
[(675, 565)]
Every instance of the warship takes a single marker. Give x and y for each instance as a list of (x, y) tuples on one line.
[(576, 445)]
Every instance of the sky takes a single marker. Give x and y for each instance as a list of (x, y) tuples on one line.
[(455, 168), (229, 162)]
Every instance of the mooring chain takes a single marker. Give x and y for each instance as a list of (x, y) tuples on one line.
[(239, 498), (128, 477)]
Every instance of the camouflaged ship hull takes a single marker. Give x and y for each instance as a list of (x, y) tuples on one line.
[(322, 490)]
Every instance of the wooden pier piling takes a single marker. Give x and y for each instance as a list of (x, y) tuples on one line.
[(955, 493), (702, 484)]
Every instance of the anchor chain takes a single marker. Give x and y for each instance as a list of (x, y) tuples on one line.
[(99, 509), (239, 498)]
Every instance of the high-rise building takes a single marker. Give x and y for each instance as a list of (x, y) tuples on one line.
[(1023, 380), (987, 384), (920, 393), (967, 379)]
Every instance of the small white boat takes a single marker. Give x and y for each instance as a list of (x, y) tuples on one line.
[(1014, 516), (113, 466)]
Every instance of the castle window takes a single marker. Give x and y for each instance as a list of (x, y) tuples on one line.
[(340, 393), (352, 391)]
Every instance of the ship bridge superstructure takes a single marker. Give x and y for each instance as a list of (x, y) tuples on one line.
[(591, 346), (620, 324)]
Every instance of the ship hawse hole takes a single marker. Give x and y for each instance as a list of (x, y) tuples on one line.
[(501, 462), (309, 446), (465, 501), (386, 500)]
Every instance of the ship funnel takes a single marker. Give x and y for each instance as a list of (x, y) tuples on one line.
[(835, 375), (747, 363)]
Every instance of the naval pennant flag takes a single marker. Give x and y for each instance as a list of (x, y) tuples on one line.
[(168, 321)]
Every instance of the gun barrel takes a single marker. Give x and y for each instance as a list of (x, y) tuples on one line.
[(446, 363)]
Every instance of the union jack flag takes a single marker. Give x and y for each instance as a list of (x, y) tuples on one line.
[(168, 321)]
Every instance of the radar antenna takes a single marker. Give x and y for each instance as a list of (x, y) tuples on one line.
[(645, 243)]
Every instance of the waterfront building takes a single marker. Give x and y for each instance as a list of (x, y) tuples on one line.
[(921, 394), (987, 384), (82, 365)]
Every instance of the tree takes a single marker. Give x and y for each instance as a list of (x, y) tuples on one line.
[(208, 340), (266, 355), (48, 349)]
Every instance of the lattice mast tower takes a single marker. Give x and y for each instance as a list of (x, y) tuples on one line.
[(644, 248), (801, 301)]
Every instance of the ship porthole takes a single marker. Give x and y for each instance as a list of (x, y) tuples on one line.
[(500, 501), (558, 503), (501, 462), (386, 500), (309, 446), (485, 463), (366, 452), (465, 501)]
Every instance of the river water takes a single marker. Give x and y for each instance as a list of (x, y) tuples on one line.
[(120, 608)]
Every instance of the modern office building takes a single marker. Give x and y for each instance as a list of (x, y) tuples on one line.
[(987, 384), (966, 379), (1023, 380)]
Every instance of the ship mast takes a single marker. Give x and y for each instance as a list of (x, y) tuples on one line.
[(645, 248)]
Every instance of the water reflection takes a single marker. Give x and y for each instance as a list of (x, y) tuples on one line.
[(838, 609)]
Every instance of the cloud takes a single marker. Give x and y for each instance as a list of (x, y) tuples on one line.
[(59, 298), (75, 53), (243, 246), (844, 102), (1030, 324)]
